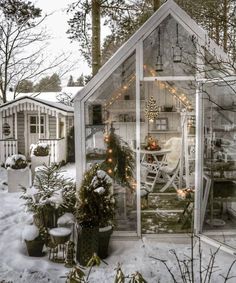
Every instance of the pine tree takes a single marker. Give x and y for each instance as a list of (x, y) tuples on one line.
[(54, 194), (25, 86), (80, 80), (49, 84), (96, 203), (71, 81)]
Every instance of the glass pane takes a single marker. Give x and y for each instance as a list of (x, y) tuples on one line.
[(167, 156), (33, 129), (42, 129), (42, 119), (110, 134), (33, 119), (219, 192), (169, 51)]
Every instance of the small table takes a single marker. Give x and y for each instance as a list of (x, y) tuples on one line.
[(158, 157)]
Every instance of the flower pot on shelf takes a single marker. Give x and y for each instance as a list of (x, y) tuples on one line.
[(35, 247), (103, 242), (87, 244)]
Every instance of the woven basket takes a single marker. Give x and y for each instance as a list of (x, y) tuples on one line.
[(87, 244)]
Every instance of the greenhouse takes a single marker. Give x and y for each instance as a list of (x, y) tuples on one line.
[(161, 114)]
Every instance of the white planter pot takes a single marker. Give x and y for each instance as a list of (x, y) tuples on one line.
[(17, 178), (37, 161)]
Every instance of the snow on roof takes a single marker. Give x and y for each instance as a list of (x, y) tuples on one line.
[(55, 104), (48, 96), (50, 104)]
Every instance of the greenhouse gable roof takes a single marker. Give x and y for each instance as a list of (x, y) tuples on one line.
[(168, 8)]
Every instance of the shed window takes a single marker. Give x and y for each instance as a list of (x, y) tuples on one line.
[(34, 124)]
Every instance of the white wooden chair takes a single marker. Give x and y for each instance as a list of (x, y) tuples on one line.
[(170, 170)]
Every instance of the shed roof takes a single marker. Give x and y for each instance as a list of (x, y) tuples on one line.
[(48, 96), (168, 8), (47, 104)]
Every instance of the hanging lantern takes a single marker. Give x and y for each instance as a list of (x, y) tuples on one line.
[(159, 64), (151, 110), (177, 49)]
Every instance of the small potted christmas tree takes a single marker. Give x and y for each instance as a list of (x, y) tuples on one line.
[(39, 155), (95, 214), (51, 196), (18, 172)]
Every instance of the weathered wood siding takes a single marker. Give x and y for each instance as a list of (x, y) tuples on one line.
[(21, 132), (52, 127)]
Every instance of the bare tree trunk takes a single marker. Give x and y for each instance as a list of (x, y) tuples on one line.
[(225, 24), (156, 4), (96, 40), (217, 31)]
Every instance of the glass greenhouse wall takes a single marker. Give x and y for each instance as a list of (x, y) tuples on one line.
[(112, 109), (175, 130), (219, 195)]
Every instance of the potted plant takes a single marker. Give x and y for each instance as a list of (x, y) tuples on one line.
[(95, 210), (18, 172), (39, 155), (51, 196), (34, 240)]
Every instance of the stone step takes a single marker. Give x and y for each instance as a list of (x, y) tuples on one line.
[(162, 201), (147, 211), (162, 221), (163, 194)]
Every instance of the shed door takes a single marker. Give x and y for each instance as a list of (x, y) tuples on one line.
[(34, 128)]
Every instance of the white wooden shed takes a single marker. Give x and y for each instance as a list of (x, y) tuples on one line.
[(169, 80), (28, 120)]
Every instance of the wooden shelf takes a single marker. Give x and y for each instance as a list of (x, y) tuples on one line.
[(169, 112), (164, 132)]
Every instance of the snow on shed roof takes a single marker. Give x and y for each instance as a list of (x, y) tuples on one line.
[(48, 96), (50, 104)]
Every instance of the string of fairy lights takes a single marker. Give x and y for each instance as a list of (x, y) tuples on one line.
[(119, 92), (151, 110), (109, 151), (180, 96)]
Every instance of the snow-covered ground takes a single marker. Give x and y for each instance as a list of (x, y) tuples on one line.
[(133, 255)]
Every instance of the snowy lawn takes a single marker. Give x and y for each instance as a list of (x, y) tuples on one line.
[(133, 255)]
